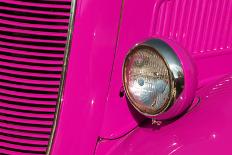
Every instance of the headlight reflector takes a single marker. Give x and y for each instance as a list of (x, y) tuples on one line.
[(147, 80), (153, 77)]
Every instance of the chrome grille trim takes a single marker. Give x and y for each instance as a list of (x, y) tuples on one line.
[(65, 67)]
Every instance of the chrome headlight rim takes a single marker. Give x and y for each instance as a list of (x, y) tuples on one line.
[(175, 72)]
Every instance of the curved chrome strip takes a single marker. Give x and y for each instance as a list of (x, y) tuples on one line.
[(63, 78), (173, 62)]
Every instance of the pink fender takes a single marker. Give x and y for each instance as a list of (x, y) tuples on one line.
[(201, 28), (95, 118), (192, 25), (205, 129), (87, 82)]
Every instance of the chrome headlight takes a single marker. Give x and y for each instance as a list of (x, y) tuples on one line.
[(153, 77)]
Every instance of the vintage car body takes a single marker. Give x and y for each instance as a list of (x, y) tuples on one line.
[(61, 88)]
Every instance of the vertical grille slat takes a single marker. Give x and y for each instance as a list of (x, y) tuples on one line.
[(33, 38)]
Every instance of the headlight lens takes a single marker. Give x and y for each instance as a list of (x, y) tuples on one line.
[(147, 80)]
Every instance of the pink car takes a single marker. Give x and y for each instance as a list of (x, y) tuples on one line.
[(115, 77)]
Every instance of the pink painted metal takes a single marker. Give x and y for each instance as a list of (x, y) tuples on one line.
[(203, 28), (88, 77), (89, 111), (32, 45), (206, 129), (179, 21)]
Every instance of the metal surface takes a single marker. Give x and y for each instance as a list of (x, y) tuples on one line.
[(206, 129), (63, 77), (92, 106), (206, 23), (88, 75), (203, 28), (33, 37)]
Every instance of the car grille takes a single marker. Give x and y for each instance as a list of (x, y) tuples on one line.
[(33, 38)]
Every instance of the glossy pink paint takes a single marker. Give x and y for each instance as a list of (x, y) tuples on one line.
[(188, 24), (33, 35), (206, 129), (92, 107), (89, 71)]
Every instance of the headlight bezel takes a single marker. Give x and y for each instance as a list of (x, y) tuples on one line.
[(175, 71)]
